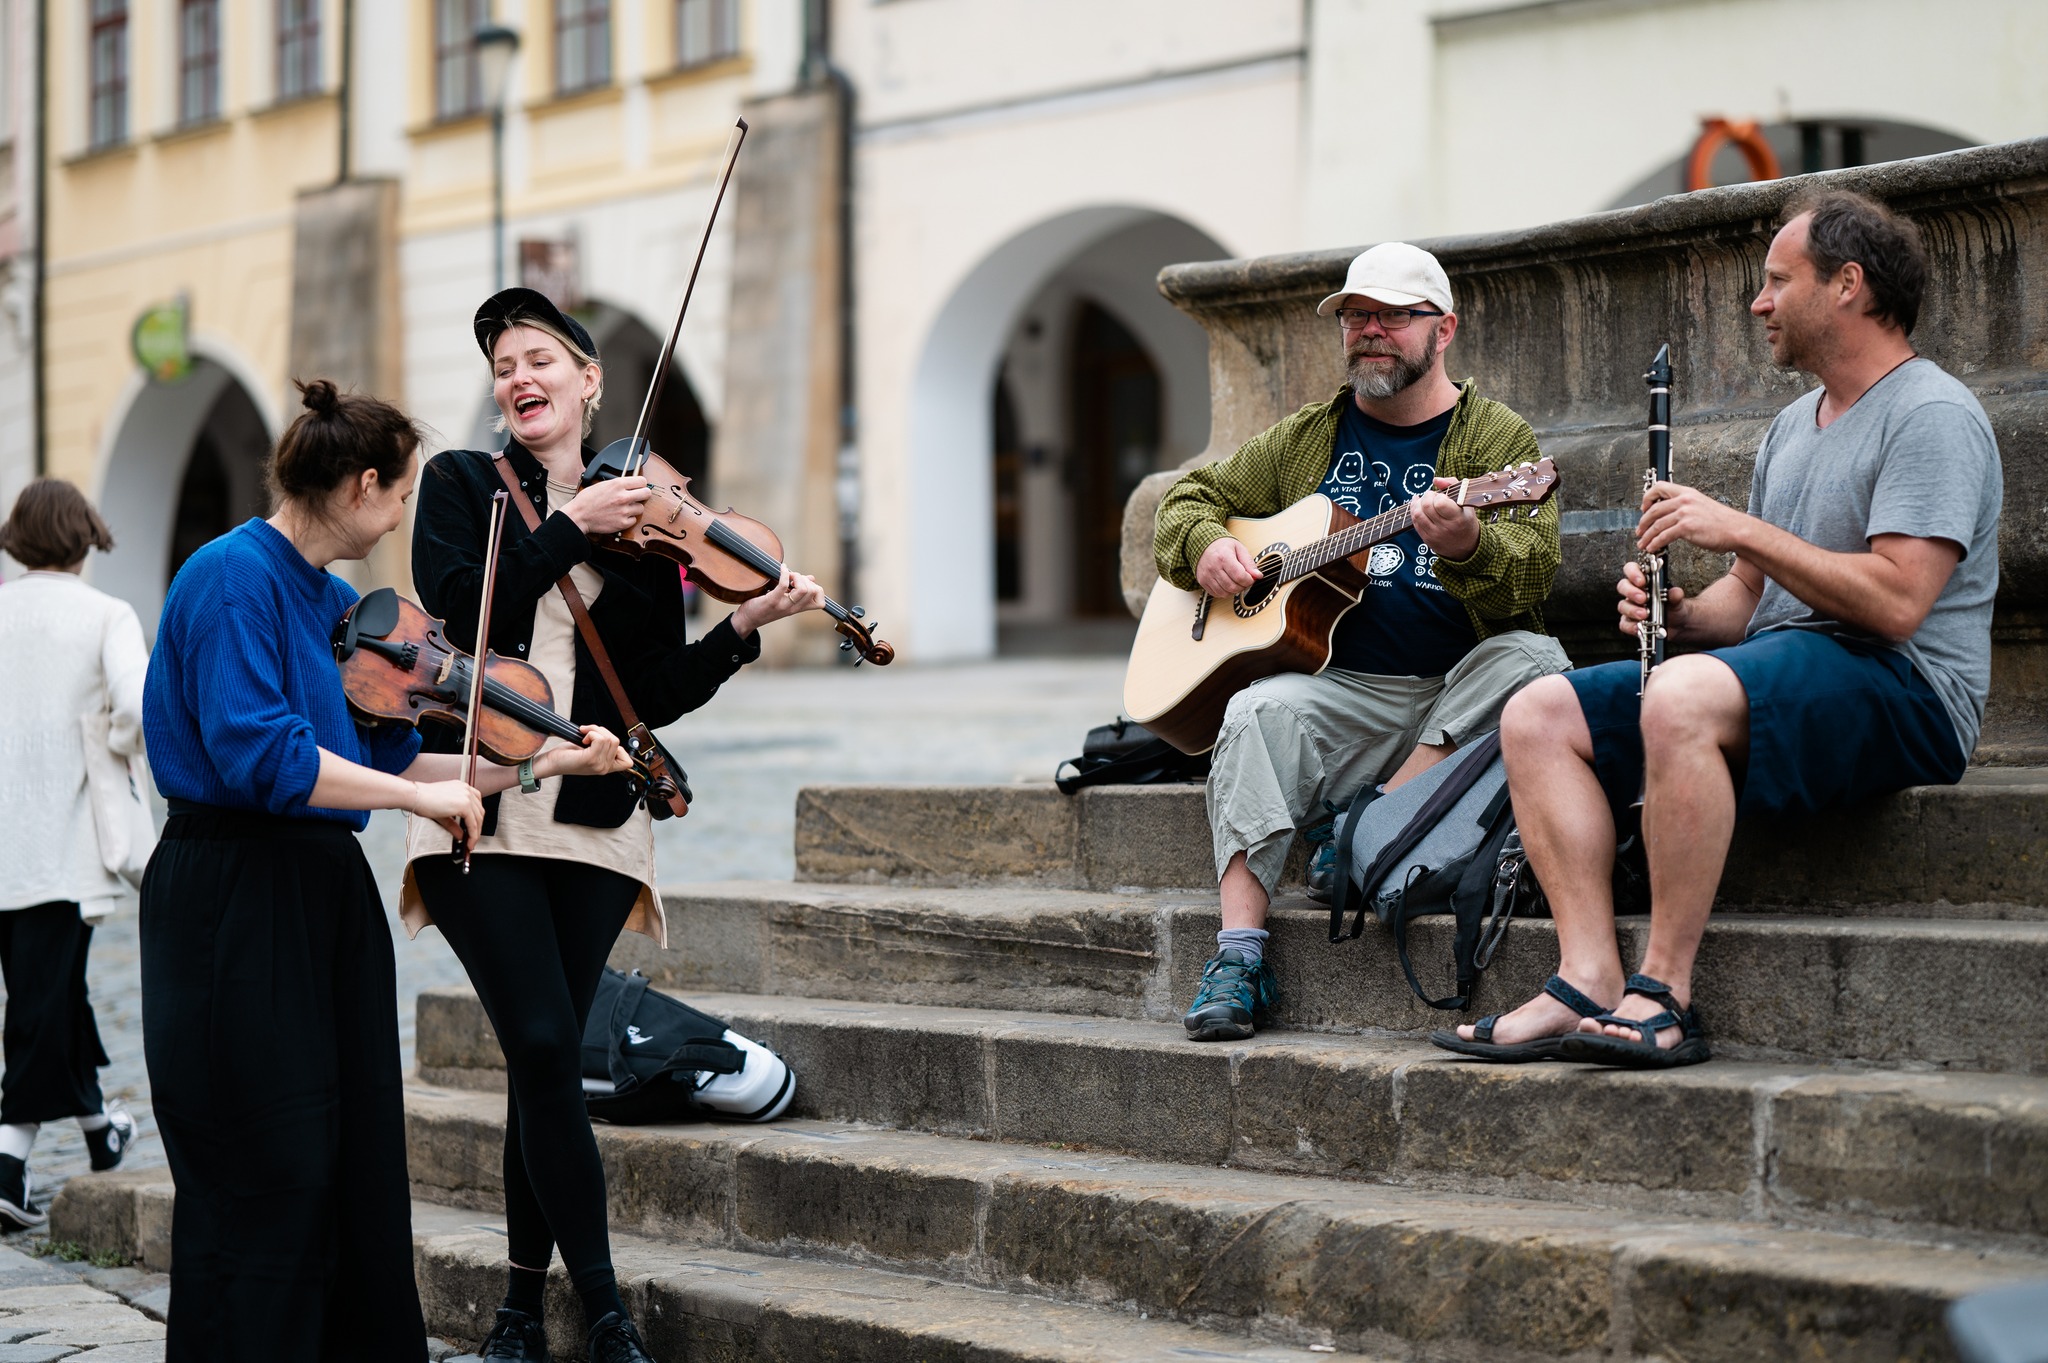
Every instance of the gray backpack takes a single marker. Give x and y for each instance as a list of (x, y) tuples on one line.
[(1445, 842)]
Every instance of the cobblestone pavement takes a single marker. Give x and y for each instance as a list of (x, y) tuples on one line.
[(747, 753)]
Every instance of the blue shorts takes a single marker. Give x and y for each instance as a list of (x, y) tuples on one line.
[(1831, 722)]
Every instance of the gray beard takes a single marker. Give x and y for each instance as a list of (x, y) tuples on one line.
[(1383, 381)]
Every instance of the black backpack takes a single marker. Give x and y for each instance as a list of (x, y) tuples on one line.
[(1126, 753)]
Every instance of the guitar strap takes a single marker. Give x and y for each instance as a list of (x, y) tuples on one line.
[(678, 802)]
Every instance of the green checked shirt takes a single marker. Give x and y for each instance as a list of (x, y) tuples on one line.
[(1502, 585)]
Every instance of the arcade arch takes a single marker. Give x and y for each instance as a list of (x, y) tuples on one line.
[(1053, 375), (185, 465)]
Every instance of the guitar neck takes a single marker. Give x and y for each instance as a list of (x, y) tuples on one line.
[(1352, 539)]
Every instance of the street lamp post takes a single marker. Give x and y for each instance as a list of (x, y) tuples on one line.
[(496, 46)]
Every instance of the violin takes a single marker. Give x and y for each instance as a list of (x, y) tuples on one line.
[(398, 666), (730, 556)]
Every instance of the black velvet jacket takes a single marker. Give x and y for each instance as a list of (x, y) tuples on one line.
[(639, 615)]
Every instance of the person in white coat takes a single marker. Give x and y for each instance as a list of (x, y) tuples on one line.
[(73, 804)]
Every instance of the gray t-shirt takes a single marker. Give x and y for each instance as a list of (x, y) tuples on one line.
[(1914, 456)]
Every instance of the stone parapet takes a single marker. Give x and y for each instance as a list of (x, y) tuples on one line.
[(1560, 321)]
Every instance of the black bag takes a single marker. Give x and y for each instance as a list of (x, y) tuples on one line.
[(1126, 753), (646, 1057)]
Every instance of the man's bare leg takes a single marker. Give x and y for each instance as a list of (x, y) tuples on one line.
[(1569, 834), (1244, 899), (1695, 725), (1425, 756)]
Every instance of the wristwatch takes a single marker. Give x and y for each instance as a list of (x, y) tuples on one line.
[(528, 782)]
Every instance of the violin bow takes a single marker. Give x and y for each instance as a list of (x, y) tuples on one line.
[(470, 728), (640, 447)]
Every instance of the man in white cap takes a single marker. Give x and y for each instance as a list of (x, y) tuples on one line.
[(1450, 626)]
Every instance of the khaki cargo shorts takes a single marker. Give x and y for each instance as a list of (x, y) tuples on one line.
[(1290, 743)]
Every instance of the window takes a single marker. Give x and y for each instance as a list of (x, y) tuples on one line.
[(706, 31), (457, 85), (108, 76), (298, 49), (198, 60), (583, 44)]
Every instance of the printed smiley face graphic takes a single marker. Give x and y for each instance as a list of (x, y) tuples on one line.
[(1385, 560), (1418, 479)]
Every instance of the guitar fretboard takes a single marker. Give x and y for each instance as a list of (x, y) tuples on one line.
[(1302, 561)]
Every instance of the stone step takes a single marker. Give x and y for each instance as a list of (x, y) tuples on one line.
[(1979, 843), (1880, 1152), (1373, 1268), (701, 1302), (1958, 993), (694, 1301)]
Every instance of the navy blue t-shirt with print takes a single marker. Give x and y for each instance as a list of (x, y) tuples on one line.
[(1406, 625)]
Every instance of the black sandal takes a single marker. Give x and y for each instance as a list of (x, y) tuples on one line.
[(1645, 1054), (1483, 1047)]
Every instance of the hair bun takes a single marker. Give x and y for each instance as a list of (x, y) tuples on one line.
[(320, 396)]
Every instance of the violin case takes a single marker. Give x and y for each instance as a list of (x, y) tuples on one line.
[(649, 1058)]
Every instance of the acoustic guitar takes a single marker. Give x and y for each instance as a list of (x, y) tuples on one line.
[(1195, 651)]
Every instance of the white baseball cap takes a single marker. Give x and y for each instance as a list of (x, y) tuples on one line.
[(1394, 273)]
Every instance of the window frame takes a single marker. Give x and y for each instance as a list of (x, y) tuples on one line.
[(462, 52), (295, 51), (581, 17), (725, 32), (205, 64), (106, 85)]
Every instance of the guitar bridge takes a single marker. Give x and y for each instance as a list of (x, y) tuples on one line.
[(1201, 616)]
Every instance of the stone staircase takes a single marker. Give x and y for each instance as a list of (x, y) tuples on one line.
[(1003, 1149)]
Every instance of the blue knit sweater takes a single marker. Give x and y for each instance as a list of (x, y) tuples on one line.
[(243, 691)]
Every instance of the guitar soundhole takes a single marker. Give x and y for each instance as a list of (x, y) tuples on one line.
[(1253, 599)]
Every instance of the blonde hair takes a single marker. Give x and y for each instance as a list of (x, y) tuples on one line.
[(576, 352)]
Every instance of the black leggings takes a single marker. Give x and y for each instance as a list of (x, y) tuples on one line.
[(534, 935)]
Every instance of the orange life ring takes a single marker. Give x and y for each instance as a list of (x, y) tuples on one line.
[(1746, 137)]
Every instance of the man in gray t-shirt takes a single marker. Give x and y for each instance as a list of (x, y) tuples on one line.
[(1846, 653)]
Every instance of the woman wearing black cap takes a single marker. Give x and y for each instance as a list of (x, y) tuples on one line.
[(563, 866)]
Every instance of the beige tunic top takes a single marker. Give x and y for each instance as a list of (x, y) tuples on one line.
[(526, 824)]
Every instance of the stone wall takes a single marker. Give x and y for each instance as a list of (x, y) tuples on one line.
[(1560, 321)]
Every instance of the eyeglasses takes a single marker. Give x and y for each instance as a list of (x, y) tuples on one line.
[(1391, 319)]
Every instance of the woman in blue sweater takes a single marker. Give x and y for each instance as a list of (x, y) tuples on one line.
[(269, 1004)]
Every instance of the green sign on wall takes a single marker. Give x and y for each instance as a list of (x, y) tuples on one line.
[(162, 341)]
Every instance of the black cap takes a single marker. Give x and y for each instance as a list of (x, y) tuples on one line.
[(508, 307)]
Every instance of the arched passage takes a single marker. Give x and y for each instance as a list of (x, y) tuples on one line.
[(1012, 326), (185, 466)]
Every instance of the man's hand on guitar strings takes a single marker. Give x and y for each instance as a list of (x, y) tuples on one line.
[(1226, 568)]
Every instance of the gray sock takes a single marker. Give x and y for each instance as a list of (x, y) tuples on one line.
[(1249, 943)]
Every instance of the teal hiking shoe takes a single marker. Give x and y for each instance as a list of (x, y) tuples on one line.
[(1235, 1000)]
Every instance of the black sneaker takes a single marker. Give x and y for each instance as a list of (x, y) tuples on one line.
[(110, 1142), (16, 1211), (614, 1340), (516, 1336)]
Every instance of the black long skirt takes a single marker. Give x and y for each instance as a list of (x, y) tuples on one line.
[(270, 1025)]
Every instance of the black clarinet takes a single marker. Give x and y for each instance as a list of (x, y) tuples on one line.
[(1650, 633)]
